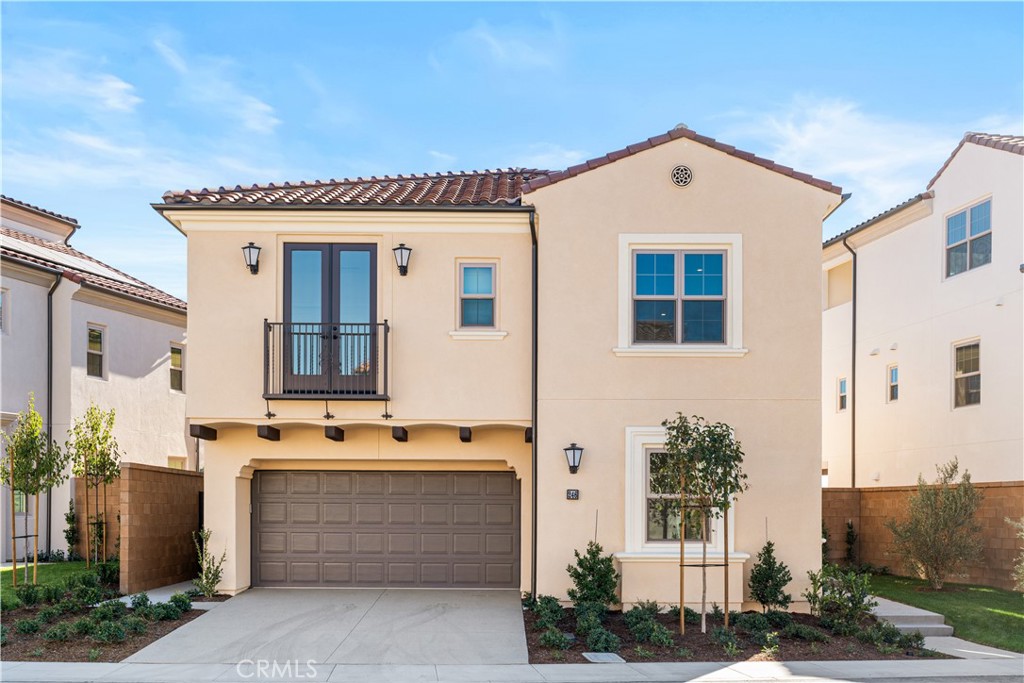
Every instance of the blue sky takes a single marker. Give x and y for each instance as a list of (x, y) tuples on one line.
[(107, 105)]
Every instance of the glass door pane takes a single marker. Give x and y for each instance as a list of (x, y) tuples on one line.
[(355, 330), (305, 308)]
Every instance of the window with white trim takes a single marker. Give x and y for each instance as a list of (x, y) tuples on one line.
[(967, 374), (680, 295), (892, 379), (177, 368), (969, 238), (95, 352), (662, 516), (477, 293), (841, 400)]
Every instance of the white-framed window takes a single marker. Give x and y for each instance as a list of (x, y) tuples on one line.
[(5, 311), (20, 503), (967, 374), (95, 355), (663, 508), (680, 295), (477, 295), (969, 238), (842, 397), (652, 513), (892, 380), (176, 462), (177, 368)]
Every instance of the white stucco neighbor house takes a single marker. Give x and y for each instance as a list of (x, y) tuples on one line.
[(929, 295), (75, 331)]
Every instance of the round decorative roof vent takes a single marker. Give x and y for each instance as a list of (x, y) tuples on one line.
[(682, 175)]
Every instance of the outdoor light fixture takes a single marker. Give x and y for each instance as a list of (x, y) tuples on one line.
[(573, 455), (402, 254), (251, 253)]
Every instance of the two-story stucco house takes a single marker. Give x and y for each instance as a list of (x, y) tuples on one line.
[(930, 291), (381, 417), (76, 331)]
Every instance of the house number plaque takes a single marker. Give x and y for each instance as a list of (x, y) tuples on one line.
[(572, 494)]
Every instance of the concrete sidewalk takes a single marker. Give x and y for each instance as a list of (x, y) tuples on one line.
[(1002, 670)]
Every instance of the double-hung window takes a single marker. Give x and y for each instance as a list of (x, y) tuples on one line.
[(177, 368), (967, 374), (843, 396), (476, 294), (893, 383), (663, 511), (679, 297), (969, 238), (95, 351)]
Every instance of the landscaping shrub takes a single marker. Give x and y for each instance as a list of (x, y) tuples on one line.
[(1018, 565), (716, 612), (887, 638), (589, 615), (636, 616), (650, 631), (601, 639), (29, 594), (140, 600), (724, 637), (59, 632), (753, 623), (165, 611), (109, 632), (800, 631), (133, 624), (3, 634), (769, 642), (211, 568), (109, 573), (48, 614), (768, 580), (825, 548), (548, 610), (690, 616), (109, 611), (90, 579), (26, 626), (594, 577), (53, 592), (555, 639), (69, 605), (841, 599), (851, 543), (83, 627), (181, 601), (940, 534), (86, 595), (779, 619)]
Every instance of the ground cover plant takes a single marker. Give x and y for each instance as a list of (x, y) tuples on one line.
[(980, 614)]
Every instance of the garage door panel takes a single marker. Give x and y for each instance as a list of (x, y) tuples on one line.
[(431, 529)]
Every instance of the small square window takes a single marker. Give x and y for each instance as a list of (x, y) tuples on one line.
[(893, 382), (95, 352), (477, 295), (967, 375), (842, 394), (177, 368)]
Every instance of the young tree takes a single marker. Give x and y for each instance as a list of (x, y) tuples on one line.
[(33, 463), (768, 580), (709, 461), (940, 534), (97, 459)]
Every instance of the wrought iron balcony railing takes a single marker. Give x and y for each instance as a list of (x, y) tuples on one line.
[(331, 361)]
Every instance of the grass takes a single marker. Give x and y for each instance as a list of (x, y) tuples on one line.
[(980, 614), (48, 573)]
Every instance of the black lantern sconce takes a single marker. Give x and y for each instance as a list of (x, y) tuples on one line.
[(251, 254), (402, 254), (573, 456)]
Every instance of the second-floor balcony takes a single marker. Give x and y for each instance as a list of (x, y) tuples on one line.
[(325, 361)]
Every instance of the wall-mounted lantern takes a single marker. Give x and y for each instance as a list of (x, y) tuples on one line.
[(251, 254), (402, 254), (573, 455)]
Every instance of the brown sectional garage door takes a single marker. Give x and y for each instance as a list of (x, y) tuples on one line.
[(413, 529)]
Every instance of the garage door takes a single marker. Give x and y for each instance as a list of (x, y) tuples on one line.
[(395, 529)]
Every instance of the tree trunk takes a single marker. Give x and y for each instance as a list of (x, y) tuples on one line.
[(725, 547), (35, 550), (24, 527), (105, 522), (682, 554), (99, 521), (703, 571), (88, 522), (14, 528)]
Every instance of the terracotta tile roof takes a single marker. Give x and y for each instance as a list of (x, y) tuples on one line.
[(1008, 143), (4, 199), (498, 188), (30, 250), (874, 219), (675, 134)]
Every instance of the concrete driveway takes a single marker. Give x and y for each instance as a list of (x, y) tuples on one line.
[(352, 626)]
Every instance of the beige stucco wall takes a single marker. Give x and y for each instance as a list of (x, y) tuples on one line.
[(590, 395), (911, 315)]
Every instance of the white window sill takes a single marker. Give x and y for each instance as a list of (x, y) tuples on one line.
[(677, 351), (478, 335), (693, 556)]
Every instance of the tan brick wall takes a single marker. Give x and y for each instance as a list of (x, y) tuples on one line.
[(159, 510), (870, 508)]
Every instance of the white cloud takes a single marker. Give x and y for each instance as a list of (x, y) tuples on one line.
[(507, 47), (442, 158), (547, 156), (881, 160), (204, 82), (62, 76)]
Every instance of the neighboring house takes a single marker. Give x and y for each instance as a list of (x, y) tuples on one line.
[(367, 428), (939, 328), (75, 332)]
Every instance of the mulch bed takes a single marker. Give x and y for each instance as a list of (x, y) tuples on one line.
[(702, 649), (33, 648), (214, 598)]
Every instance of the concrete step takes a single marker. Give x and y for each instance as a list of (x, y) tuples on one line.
[(911, 619)]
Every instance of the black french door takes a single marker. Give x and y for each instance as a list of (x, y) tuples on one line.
[(330, 319)]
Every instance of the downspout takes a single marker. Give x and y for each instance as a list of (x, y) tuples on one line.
[(853, 373), (49, 397), (533, 405)]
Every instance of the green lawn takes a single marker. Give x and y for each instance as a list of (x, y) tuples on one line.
[(980, 614), (48, 573)]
